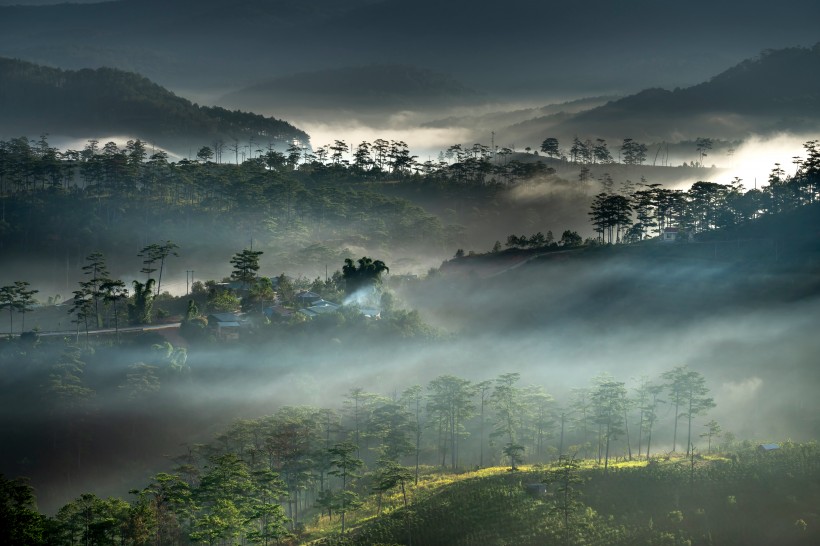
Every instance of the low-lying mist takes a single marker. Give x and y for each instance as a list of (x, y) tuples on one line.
[(755, 158), (558, 321)]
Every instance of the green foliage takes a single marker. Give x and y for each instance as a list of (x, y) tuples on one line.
[(570, 239), (65, 388), (20, 522), (222, 300), (141, 381), (565, 475), (157, 252), (631, 505), (140, 311), (246, 264), (344, 465), (16, 297)]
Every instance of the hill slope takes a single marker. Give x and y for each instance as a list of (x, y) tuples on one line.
[(87, 103), (779, 90), (750, 500)]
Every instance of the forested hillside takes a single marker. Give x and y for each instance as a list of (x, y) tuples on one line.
[(316, 207), (36, 99), (307, 207), (777, 91)]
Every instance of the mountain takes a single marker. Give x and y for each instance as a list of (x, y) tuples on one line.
[(776, 91), (483, 123), (376, 89), (519, 47), (88, 103)]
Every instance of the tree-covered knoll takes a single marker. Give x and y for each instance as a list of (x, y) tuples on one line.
[(304, 207), (707, 211), (78, 103), (634, 213), (106, 197)]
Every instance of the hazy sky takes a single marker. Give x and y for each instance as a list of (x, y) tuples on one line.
[(517, 48)]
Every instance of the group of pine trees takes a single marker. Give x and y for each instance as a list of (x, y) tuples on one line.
[(595, 152), (108, 193), (635, 213), (256, 482)]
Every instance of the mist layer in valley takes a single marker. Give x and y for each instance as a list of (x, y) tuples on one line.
[(558, 320)]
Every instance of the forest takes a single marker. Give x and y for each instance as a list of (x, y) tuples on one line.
[(314, 202), (551, 457)]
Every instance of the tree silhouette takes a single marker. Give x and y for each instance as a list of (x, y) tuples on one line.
[(154, 253), (16, 297), (344, 466), (139, 312), (98, 271), (366, 275), (564, 474), (608, 400), (114, 291), (702, 146), (246, 264), (550, 147)]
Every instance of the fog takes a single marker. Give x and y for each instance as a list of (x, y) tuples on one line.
[(559, 321), (425, 142), (756, 157)]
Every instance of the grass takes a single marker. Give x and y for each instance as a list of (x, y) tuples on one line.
[(749, 499)]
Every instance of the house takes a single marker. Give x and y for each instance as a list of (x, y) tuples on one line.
[(670, 235), (277, 311), (320, 307), (224, 325), (307, 298), (274, 280), (766, 448), (236, 286)]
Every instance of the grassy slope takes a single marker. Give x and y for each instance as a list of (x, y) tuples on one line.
[(751, 499)]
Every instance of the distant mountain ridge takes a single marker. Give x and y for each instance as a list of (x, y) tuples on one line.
[(779, 90), (521, 45), (89, 103), (369, 88)]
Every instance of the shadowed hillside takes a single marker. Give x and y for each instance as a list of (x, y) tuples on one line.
[(779, 90), (37, 99)]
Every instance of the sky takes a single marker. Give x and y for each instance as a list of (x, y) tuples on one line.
[(521, 48)]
